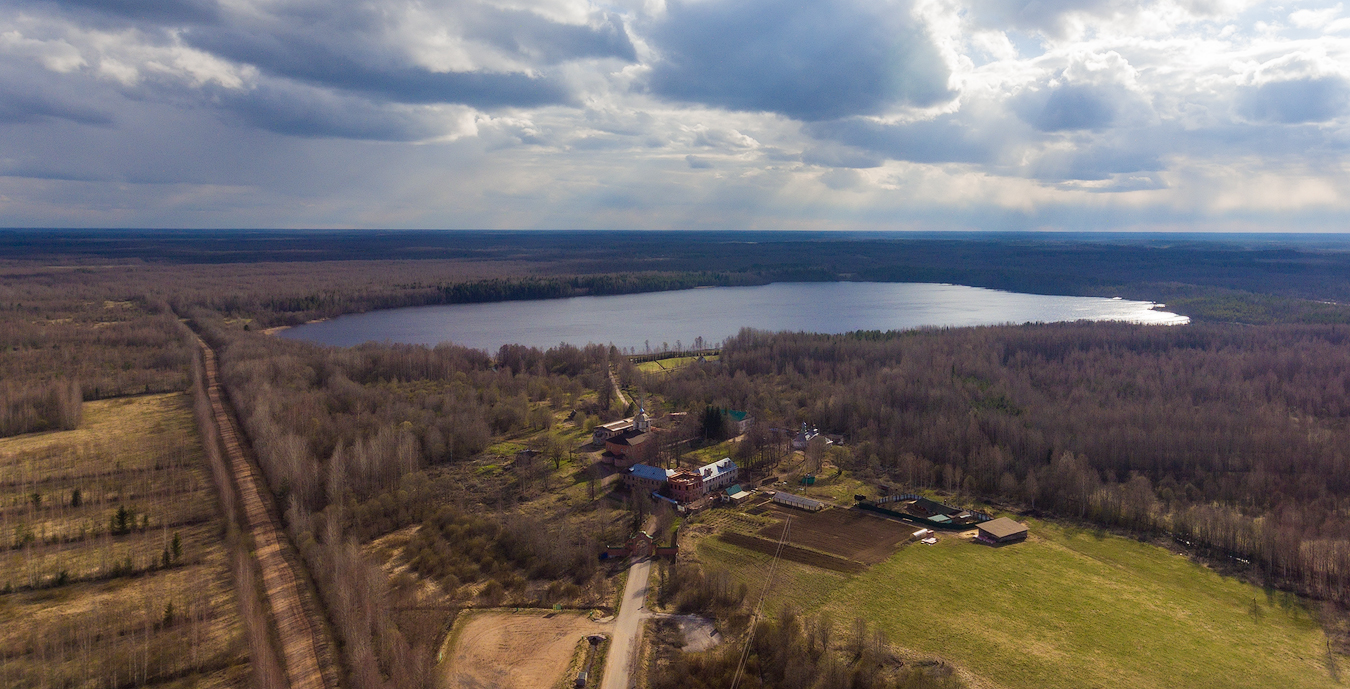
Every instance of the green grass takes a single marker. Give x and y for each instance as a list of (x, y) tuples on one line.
[(1066, 609)]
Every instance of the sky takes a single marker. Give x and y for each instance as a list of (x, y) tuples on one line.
[(1078, 115)]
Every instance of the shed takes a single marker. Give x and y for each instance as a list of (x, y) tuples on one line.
[(1002, 530), (798, 501)]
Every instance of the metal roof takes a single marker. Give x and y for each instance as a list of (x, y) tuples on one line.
[(1003, 527), (650, 473)]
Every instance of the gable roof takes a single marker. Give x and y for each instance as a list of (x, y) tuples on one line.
[(1003, 527), (721, 466)]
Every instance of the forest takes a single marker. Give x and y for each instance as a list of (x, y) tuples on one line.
[(398, 470), (1230, 440)]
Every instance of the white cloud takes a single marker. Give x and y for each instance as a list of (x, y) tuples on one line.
[(644, 113)]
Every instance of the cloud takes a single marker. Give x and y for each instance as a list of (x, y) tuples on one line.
[(809, 60), (946, 139), (1295, 101), (698, 163), (1067, 107)]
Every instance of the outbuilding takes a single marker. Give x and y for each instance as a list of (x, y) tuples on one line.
[(1002, 530)]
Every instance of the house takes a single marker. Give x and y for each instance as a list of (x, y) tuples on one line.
[(686, 486), (1002, 530), (718, 475), (805, 436), (737, 495), (645, 478), (739, 421)]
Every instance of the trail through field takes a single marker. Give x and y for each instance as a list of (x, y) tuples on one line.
[(299, 635)]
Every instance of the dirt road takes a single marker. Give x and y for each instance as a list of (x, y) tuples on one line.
[(299, 636), (623, 650)]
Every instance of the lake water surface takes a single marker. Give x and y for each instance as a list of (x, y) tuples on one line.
[(656, 318)]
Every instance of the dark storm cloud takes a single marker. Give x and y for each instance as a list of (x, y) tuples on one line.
[(1068, 108), (20, 107), (1295, 101), (810, 60), (943, 140), (310, 112), (150, 11), (357, 63)]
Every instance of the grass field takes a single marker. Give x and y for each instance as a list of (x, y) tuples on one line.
[(1068, 609), (85, 604), (668, 365)]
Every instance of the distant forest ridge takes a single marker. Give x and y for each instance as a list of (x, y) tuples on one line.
[(1225, 278)]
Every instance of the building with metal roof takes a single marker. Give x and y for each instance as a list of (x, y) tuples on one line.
[(1002, 530)]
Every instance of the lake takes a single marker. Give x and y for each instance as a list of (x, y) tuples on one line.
[(657, 319)]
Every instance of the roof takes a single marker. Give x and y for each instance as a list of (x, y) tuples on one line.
[(617, 425), (737, 415), (734, 489), (630, 438), (721, 466), (799, 501), (924, 506), (650, 473), (1003, 527)]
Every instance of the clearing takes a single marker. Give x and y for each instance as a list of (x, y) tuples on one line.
[(505, 650), (87, 599), (850, 534), (1069, 608)]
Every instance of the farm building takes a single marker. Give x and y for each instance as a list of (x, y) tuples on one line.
[(737, 495), (925, 511), (801, 503), (1002, 530)]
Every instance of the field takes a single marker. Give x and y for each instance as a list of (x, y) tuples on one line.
[(671, 364), (93, 589), (850, 534), (505, 650), (1068, 608)]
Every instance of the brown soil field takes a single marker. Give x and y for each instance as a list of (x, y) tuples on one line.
[(521, 650), (794, 553), (850, 534)]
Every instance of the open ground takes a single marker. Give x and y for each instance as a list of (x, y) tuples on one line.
[(529, 649), (851, 534), (1068, 608), (88, 600)]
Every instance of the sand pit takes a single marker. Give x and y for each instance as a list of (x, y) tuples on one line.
[(522, 650)]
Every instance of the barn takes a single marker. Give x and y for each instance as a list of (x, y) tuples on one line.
[(801, 503), (1002, 530)]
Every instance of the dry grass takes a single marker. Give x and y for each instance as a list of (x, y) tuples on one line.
[(82, 606)]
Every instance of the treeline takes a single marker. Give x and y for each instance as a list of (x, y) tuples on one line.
[(52, 406), (54, 354), (1232, 439)]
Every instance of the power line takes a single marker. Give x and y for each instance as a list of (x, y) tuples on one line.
[(763, 594)]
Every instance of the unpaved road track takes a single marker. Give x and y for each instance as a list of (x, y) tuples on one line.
[(623, 650), (298, 634)]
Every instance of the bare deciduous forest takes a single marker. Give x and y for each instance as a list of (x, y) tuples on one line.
[(398, 472), (1230, 439)]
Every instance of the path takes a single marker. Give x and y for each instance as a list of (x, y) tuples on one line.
[(299, 637), (623, 401), (623, 650)]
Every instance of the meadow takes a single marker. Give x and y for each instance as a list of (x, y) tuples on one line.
[(1068, 608)]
